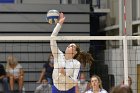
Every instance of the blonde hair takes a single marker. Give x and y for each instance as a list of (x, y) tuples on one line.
[(99, 80), (11, 59)]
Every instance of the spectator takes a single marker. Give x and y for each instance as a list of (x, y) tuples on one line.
[(129, 81), (15, 73), (47, 70), (96, 85), (4, 79), (83, 85), (44, 87), (121, 89), (46, 77)]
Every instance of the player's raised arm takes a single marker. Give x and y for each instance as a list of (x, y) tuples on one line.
[(53, 44)]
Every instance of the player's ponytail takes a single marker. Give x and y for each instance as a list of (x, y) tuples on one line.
[(83, 57)]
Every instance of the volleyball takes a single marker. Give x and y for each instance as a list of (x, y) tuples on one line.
[(52, 16)]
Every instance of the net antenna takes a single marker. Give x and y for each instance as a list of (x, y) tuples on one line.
[(125, 47)]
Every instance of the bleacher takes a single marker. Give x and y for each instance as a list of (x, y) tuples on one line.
[(28, 19)]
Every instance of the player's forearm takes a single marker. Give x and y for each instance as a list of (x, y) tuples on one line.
[(21, 72), (56, 30), (41, 77), (53, 43), (76, 71)]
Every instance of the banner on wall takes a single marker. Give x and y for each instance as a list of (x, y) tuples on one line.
[(7, 1)]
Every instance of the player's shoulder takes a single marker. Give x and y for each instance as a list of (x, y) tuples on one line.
[(76, 62), (89, 91), (103, 91), (46, 64)]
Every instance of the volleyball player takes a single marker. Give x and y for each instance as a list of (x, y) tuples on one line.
[(66, 67)]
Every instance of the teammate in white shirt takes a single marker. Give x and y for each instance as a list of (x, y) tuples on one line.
[(96, 85), (66, 67)]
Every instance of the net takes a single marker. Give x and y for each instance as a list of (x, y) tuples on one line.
[(115, 57)]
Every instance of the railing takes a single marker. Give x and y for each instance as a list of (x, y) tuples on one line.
[(96, 3)]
